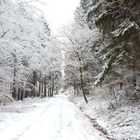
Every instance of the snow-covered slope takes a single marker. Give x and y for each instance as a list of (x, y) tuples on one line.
[(121, 124)]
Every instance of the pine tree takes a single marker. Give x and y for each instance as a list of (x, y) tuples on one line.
[(120, 26)]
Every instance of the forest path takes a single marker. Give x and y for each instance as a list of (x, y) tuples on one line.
[(61, 120)]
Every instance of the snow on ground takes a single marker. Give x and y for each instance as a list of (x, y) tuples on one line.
[(47, 119), (16, 118), (122, 123)]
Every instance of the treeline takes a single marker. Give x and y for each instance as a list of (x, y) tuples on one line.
[(104, 48), (29, 54)]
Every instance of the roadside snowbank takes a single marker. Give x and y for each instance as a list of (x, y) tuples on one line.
[(122, 123)]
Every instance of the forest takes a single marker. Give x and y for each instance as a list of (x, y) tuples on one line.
[(105, 48), (96, 62), (29, 54)]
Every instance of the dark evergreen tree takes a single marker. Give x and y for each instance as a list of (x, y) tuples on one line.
[(118, 20)]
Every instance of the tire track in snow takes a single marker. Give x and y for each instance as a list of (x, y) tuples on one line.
[(32, 124), (64, 122)]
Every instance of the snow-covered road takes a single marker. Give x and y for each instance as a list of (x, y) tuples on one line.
[(59, 119)]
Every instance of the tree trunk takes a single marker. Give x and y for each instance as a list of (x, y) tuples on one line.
[(45, 90), (42, 88), (82, 84), (74, 86), (18, 93), (14, 84), (52, 89), (134, 80), (49, 92), (14, 95), (34, 83), (134, 76), (39, 88), (24, 86)]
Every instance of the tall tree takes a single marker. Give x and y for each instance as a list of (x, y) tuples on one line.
[(79, 56), (119, 23)]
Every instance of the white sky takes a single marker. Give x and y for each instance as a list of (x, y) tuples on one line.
[(59, 12)]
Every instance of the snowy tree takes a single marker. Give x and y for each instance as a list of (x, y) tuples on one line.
[(79, 56), (46, 63), (28, 52), (119, 23)]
